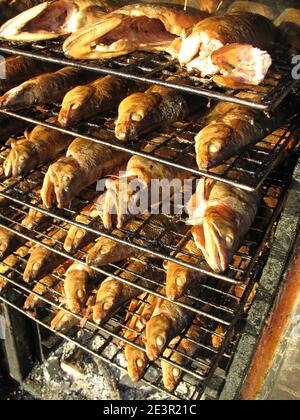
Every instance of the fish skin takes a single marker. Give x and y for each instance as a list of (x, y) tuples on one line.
[(166, 323), (76, 287), (141, 113), (135, 21), (172, 374), (253, 7), (78, 237), (33, 219), (180, 279), (10, 262), (85, 163), (42, 261), (226, 216), (215, 32), (119, 198), (84, 102), (137, 317), (43, 145), (107, 251), (52, 19), (9, 242), (231, 127), (44, 89), (208, 6), (242, 63), (18, 69), (113, 294), (64, 321), (41, 288)]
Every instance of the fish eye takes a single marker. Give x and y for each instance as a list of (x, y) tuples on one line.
[(135, 116), (160, 341), (180, 280), (66, 178), (229, 240), (104, 250), (176, 372), (79, 234), (214, 147), (140, 363)]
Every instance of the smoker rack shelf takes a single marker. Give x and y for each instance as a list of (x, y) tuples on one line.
[(220, 304), (175, 146), (156, 68), (168, 239)]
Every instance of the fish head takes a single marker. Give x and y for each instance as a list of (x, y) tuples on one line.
[(47, 20), (104, 252), (65, 178), (74, 104), (107, 300), (36, 264), (136, 115), (76, 290), (137, 362), (212, 143), (222, 232), (74, 239), (158, 332), (6, 239), (179, 280), (63, 321), (171, 376)]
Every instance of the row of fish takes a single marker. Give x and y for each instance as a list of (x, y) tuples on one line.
[(236, 44)]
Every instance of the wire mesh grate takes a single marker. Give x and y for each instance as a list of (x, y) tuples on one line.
[(156, 68)]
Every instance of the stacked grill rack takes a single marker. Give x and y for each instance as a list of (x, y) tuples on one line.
[(224, 297)]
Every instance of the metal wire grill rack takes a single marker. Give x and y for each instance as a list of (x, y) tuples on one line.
[(175, 146), (221, 304), (156, 68)]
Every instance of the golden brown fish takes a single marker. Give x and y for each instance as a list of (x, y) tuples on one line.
[(53, 19), (232, 127), (42, 145), (78, 237), (12, 261), (187, 346), (17, 69), (33, 219), (45, 89), (209, 6), (43, 289), (84, 102), (289, 25), (141, 113), (146, 27), (76, 287), (42, 261), (86, 162), (107, 251), (216, 32), (221, 215), (167, 322), (120, 199), (253, 7), (139, 313), (9, 242), (113, 294), (64, 321), (180, 279)]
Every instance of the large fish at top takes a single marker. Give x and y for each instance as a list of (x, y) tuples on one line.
[(146, 27), (53, 19), (232, 127), (231, 31)]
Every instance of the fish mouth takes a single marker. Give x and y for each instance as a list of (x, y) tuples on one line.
[(116, 35), (45, 21), (220, 240)]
